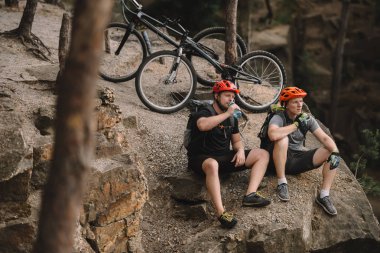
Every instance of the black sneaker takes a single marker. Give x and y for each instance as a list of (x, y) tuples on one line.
[(326, 204), (227, 220), (283, 192), (255, 199)]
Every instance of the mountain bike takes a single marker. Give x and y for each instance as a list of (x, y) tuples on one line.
[(167, 80), (125, 47)]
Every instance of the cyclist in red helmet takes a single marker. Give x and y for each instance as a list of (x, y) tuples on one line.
[(288, 154), (210, 154)]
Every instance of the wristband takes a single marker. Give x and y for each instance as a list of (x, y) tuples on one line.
[(296, 123)]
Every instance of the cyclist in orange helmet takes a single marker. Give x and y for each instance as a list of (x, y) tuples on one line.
[(210, 154), (288, 155)]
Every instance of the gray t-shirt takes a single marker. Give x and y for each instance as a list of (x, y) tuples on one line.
[(296, 138)]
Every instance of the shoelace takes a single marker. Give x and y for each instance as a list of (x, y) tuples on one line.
[(227, 216), (259, 194), (327, 200)]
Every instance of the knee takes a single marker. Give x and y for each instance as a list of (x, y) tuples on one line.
[(282, 143), (263, 155), (257, 155), (325, 153), (210, 167)]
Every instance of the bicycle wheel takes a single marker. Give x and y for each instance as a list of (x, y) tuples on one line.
[(267, 68), (213, 38), (161, 89), (122, 66)]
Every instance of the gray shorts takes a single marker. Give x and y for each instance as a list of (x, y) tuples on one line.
[(296, 162)]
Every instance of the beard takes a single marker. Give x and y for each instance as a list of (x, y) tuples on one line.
[(222, 107)]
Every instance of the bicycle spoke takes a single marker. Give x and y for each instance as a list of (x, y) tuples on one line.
[(265, 67), (165, 84), (122, 53)]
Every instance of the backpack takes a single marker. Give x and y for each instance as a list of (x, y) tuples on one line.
[(265, 142), (195, 106)]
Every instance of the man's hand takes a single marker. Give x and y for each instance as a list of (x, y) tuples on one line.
[(334, 160), (301, 122), (239, 158)]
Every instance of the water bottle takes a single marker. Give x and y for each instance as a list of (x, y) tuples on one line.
[(237, 113)]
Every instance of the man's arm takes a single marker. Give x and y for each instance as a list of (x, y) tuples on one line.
[(208, 123), (276, 133), (326, 140), (238, 146), (237, 143)]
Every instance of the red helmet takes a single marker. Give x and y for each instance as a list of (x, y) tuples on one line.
[(291, 92), (225, 85)]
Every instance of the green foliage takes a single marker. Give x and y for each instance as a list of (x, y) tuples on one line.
[(370, 186), (369, 153), (283, 14)]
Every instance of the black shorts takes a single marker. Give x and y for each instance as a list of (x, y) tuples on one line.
[(296, 162), (225, 165)]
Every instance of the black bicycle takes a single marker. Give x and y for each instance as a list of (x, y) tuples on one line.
[(167, 80), (127, 44)]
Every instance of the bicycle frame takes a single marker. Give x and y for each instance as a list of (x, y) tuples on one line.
[(150, 22), (186, 42), (226, 70)]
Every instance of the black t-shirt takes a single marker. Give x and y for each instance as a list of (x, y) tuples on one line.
[(215, 142)]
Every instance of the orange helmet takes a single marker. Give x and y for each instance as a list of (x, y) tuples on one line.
[(225, 85), (291, 92)]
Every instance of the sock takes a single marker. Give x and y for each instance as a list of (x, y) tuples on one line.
[(281, 181), (324, 193)]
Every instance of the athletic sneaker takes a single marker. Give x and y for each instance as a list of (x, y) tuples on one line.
[(282, 192), (227, 220), (254, 199), (326, 204)]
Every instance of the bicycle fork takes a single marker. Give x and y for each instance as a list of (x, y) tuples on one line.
[(173, 70), (130, 28)]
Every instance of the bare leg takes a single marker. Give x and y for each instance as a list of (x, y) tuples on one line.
[(257, 160), (280, 155), (320, 157), (211, 168)]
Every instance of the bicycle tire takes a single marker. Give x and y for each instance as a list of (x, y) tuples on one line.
[(213, 38), (269, 69), (151, 86), (122, 67)]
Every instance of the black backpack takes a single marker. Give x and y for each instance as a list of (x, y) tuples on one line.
[(195, 106), (265, 142)]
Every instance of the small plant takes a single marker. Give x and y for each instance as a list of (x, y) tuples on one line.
[(369, 154)]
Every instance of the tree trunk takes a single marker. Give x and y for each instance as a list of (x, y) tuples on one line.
[(338, 60), (268, 18), (64, 37), (231, 10), (11, 3), (73, 147), (25, 26)]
